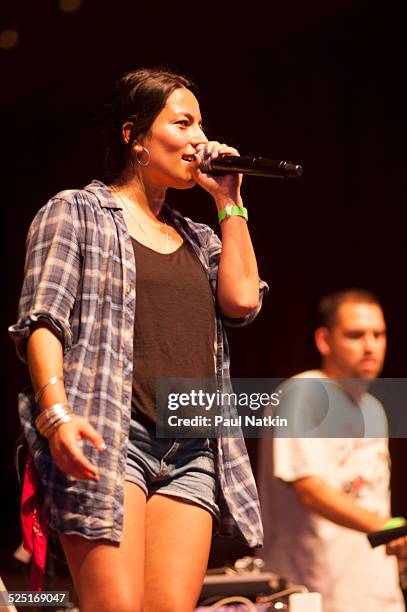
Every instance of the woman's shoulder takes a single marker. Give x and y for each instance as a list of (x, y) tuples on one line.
[(95, 193), (78, 203), (73, 196), (77, 208)]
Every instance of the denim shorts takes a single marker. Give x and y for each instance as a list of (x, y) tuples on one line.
[(179, 467)]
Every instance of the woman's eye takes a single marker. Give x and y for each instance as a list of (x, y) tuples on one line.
[(184, 122)]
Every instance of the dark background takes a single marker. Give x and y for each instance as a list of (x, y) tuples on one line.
[(320, 83)]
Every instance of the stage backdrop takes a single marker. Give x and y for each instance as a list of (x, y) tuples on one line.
[(319, 83)]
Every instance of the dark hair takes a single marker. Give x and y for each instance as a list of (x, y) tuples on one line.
[(138, 97), (329, 304)]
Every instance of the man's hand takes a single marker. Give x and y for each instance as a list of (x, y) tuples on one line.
[(398, 547)]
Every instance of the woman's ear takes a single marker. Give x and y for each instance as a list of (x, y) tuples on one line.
[(137, 147), (128, 135), (127, 130)]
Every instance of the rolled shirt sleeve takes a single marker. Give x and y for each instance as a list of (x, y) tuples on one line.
[(51, 276)]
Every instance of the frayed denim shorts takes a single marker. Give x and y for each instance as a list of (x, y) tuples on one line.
[(178, 467)]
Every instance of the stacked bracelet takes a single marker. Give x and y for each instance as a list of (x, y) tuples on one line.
[(40, 392), (231, 210), (51, 418)]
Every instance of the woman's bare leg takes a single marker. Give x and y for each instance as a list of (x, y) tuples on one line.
[(110, 577), (178, 540)]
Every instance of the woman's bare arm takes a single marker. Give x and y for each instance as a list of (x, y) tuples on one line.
[(45, 360)]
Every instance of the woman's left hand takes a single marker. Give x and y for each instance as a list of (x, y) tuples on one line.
[(220, 187)]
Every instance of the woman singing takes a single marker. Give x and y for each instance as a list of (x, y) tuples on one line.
[(120, 290)]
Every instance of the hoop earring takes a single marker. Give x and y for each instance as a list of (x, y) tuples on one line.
[(148, 160)]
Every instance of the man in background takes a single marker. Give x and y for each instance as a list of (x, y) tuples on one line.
[(320, 496)]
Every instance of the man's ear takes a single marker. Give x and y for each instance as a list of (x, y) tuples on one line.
[(322, 341)]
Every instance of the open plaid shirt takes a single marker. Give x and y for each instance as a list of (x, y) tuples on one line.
[(80, 276)]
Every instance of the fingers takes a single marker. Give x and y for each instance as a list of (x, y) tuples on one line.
[(397, 547), (78, 464), (213, 149), (225, 185), (90, 433), (65, 446)]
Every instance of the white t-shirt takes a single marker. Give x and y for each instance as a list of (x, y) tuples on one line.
[(308, 549)]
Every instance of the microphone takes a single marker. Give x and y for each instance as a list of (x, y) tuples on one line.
[(376, 538), (255, 166)]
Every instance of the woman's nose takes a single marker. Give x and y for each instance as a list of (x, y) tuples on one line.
[(199, 137)]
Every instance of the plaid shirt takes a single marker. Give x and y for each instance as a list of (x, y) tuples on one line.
[(80, 276)]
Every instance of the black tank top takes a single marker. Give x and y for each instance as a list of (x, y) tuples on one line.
[(174, 323)]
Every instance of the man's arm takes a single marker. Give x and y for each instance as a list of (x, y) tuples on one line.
[(336, 506)]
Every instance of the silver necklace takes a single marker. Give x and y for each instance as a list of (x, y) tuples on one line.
[(131, 212)]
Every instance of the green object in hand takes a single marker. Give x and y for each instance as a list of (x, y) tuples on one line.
[(395, 522)]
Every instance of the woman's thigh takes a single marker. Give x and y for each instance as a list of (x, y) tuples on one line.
[(110, 576), (178, 540)]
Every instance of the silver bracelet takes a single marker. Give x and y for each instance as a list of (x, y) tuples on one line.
[(48, 421), (49, 431), (40, 392), (52, 413)]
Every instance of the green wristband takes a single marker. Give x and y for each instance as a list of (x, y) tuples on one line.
[(231, 211)]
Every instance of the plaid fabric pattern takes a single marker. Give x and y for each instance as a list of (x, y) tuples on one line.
[(80, 276)]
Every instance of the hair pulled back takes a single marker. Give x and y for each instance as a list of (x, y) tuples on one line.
[(138, 97)]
